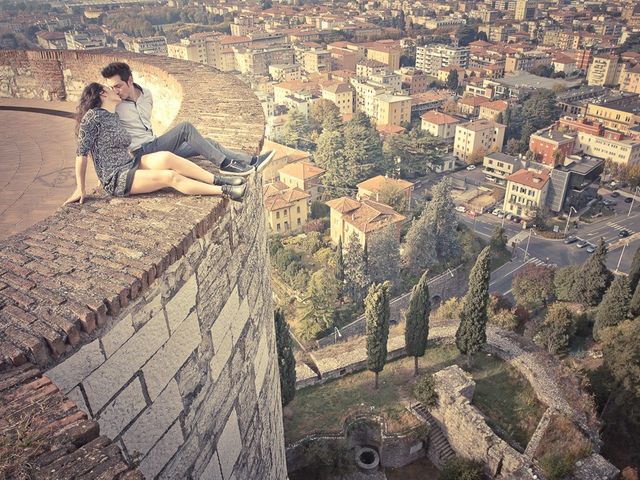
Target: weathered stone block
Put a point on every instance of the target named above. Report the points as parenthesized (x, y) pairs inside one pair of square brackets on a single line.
[(261, 363), (229, 445), (160, 455), (164, 365), (122, 410), (182, 302), (151, 306), (105, 382), (212, 471), (78, 398), (121, 331), (77, 367), (152, 424), (221, 354)]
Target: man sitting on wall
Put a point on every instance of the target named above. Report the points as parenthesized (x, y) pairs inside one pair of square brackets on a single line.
[(183, 140)]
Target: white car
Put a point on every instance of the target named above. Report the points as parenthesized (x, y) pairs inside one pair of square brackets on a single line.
[(471, 167), (461, 209)]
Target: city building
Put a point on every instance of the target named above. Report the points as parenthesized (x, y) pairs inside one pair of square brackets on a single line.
[(526, 61), (550, 146), (51, 40), (283, 156), (377, 188), (620, 113), (305, 176), (432, 58), (392, 109), (526, 191), (525, 10), (340, 93), (493, 110), (413, 81), (385, 52), (150, 45), (317, 61), (574, 183), (364, 217), (440, 124), (470, 106), (630, 80), (473, 140), (286, 208), (498, 166), (85, 40), (604, 70)]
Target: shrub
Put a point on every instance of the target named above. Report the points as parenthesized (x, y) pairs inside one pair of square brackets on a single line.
[(557, 330), (504, 319), (312, 243), (319, 225), (449, 310), (461, 469), (325, 257), (425, 391), (319, 210), (556, 466)]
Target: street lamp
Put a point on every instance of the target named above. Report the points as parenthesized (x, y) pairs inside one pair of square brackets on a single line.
[(566, 227), (526, 250), (633, 198), (620, 259)]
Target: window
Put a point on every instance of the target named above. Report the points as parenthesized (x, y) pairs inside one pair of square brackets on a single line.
[(298, 208), (278, 227), (277, 214), (299, 222)]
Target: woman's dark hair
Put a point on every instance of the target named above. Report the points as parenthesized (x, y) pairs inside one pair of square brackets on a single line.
[(117, 68), (89, 99)]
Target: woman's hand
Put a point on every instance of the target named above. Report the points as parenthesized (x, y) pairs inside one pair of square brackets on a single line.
[(77, 196)]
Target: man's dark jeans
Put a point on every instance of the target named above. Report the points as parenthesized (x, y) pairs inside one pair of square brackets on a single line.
[(184, 140)]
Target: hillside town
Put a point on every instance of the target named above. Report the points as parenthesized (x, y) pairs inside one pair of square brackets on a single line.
[(471, 164)]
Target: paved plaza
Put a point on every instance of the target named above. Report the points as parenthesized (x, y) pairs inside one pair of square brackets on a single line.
[(37, 157)]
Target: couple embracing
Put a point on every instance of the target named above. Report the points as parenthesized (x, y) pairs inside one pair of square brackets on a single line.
[(114, 126)]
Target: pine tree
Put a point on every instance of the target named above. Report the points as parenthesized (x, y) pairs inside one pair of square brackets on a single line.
[(594, 278), (340, 263), (286, 360), (472, 331), (614, 307), (383, 255), (355, 269), (340, 175), (419, 246), (417, 320), (452, 80), (441, 215), (377, 315), (363, 148), (634, 272), (634, 304)]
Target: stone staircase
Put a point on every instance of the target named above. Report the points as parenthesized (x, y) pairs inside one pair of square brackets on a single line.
[(439, 451)]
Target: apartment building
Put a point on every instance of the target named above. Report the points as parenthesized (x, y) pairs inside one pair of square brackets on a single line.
[(380, 185), (392, 109), (256, 60), (620, 150), (526, 61), (413, 80), (493, 110), (51, 40), (525, 10), (432, 58), (499, 166), (620, 114), (388, 53), (630, 80), (304, 176), (286, 208), (150, 45), (85, 40), (341, 94), (470, 106), (365, 218), (475, 139), (285, 73), (604, 70), (317, 61), (526, 191), (440, 124), (551, 146)]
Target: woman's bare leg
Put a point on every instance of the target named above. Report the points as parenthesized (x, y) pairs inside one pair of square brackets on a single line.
[(145, 181), (171, 161)]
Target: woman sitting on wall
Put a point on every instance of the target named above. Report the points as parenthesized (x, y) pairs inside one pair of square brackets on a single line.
[(100, 133)]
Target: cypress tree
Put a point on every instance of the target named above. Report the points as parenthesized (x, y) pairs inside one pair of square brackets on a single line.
[(614, 307), (377, 314), (417, 320), (472, 331), (286, 361), (634, 304), (594, 278), (340, 266), (634, 272), (355, 269)]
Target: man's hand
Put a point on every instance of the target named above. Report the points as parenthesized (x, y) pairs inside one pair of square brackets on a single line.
[(77, 196)]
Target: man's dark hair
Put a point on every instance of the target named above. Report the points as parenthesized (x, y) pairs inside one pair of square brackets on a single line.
[(117, 68)]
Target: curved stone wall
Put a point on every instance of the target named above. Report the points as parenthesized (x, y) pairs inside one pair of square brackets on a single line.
[(153, 313)]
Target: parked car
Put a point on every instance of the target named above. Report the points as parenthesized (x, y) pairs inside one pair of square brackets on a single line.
[(471, 167), (615, 194), (490, 209), (609, 203), (570, 239), (623, 233), (461, 209), (628, 200), (501, 214), (496, 211), (591, 248), (473, 213), (582, 244), (516, 219), (509, 215)]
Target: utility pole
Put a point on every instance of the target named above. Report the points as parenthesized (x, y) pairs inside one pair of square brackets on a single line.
[(633, 199), (566, 227), (620, 259)]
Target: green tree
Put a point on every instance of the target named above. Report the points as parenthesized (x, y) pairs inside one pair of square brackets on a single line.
[(383, 259), (425, 391), (498, 240), (622, 355), (339, 263), (363, 148), (533, 285), (394, 197), (325, 115), (565, 281), (472, 330), (634, 303), (466, 34), (297, 131), (417, 320), (459, 468), (419, 247), (417, 151), (442, 217), (557, 329), (614, 307), (634, 271), (286, 360), (355, 269), (376, 311), (538, 111), (452, 80), (594, 278), (321, 298), (341, 174)]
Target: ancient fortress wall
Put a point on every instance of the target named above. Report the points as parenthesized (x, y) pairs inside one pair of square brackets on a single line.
[(153, 313)]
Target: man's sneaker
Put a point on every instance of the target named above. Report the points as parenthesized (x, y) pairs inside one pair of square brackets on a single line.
[(259, 162), (220, 180), (234, 192), (235, 168)]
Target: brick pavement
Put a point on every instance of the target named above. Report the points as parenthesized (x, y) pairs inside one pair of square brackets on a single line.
[(36, 165)]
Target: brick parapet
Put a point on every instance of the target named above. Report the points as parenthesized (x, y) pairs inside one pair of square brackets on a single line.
[(153, 313)]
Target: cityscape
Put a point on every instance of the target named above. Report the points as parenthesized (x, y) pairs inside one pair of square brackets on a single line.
[(363, 239)]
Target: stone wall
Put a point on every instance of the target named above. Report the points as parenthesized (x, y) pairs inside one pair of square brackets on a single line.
[(153, 313)]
